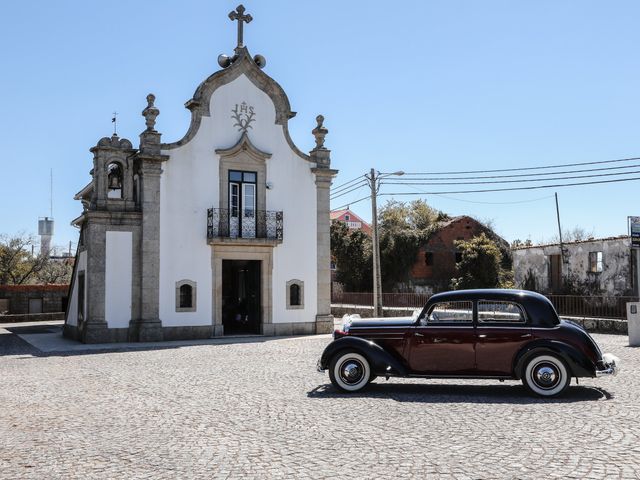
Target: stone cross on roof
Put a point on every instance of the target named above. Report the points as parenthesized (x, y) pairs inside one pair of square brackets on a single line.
[(238, 14)]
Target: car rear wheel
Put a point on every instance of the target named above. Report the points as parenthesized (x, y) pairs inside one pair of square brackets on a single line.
[(546, 375), (349, 371)]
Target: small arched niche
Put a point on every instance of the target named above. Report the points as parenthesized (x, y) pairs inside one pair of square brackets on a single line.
[(295, 294), (115, 178), (186, 296)]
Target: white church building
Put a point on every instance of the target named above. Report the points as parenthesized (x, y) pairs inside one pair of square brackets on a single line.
[(223, 232)]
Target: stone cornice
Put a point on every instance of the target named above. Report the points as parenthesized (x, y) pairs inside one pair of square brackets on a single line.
[(111, 218), (247, 242), (152, 158), (324, 172)]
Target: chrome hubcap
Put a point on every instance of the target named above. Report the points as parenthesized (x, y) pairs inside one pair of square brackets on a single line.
[(546, 375), (351, 371)]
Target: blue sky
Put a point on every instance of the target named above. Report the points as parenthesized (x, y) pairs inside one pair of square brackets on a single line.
[(418, 86)]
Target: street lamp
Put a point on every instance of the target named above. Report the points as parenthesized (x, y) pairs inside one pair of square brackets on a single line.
[(373, 179)]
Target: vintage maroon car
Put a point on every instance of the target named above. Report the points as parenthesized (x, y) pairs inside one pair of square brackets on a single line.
[(494, 334)]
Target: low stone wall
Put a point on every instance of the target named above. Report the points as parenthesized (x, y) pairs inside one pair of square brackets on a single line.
[(600, 325), (14, 299), (594, 325), (31, 317)]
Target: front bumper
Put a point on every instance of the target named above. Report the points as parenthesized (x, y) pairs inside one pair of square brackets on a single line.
[(610, 365), (319, 366)]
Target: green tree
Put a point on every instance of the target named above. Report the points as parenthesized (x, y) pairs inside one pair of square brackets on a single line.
[(403, 227), (480, 264), (17, 265), (351, 251)]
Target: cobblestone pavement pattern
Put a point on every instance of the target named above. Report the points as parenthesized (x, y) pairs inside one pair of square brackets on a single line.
[(260, 410)]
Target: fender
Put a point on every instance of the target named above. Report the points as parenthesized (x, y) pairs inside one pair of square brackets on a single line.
[(382, 362), (578, 362)]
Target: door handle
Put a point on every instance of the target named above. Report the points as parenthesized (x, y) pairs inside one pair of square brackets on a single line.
[(482, 336), (417, 334), (525, 335)]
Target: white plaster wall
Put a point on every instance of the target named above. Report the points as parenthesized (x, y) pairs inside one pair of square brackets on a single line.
[(615, 279), (118, 278), (190, 185), (72, 312)]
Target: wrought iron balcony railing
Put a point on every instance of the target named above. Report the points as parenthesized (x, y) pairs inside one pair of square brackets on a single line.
[(245, 224)]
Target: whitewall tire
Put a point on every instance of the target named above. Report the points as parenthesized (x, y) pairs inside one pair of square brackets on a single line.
[(546, 375), (349, 371)]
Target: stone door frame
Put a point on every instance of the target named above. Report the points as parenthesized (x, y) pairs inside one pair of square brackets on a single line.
[(264, 254)]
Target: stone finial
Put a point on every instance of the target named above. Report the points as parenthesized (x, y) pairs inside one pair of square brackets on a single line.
[(320, 132), (150, 113)]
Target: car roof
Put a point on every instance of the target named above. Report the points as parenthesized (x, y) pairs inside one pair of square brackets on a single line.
[(539, 308)]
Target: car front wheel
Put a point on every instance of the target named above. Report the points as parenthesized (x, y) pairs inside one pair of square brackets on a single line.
[(546, 375), (349, 371)]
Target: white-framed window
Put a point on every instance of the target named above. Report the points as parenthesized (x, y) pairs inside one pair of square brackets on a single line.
[(186, 296), (295, 294)]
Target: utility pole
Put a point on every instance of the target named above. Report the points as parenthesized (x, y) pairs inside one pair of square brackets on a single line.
[(374, 183), (377, 278), (559, 232)]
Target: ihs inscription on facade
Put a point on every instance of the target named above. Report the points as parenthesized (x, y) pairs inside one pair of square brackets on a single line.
[(243, 114)]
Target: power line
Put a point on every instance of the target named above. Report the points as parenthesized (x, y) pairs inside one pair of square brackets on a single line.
[(343, 189), (527, 168), (351, 203), (565, 172), (333, 197), (513, 181), (485, 203), (531, 187), (337, 187)]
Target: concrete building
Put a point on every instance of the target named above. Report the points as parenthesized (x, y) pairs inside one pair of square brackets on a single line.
[(602, 266), (225, 231)]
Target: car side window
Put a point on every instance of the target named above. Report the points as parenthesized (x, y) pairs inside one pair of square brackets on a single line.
[(451, 312), (497, 311)]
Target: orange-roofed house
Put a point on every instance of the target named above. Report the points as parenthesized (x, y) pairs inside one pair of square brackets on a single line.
[(353, 221)]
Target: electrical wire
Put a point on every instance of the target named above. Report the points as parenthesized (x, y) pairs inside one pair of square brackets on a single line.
[(337, 187), (333, 197), (351, 203), (484, 203), (493, 203), (527, 168), (565, 172), (342, 190), (513, 181), (510, 189)]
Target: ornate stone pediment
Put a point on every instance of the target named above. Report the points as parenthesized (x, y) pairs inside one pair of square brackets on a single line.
[(244, 144), (243, 64)]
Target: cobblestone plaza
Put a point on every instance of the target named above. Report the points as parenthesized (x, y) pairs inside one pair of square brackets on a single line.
[(256, 408)]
